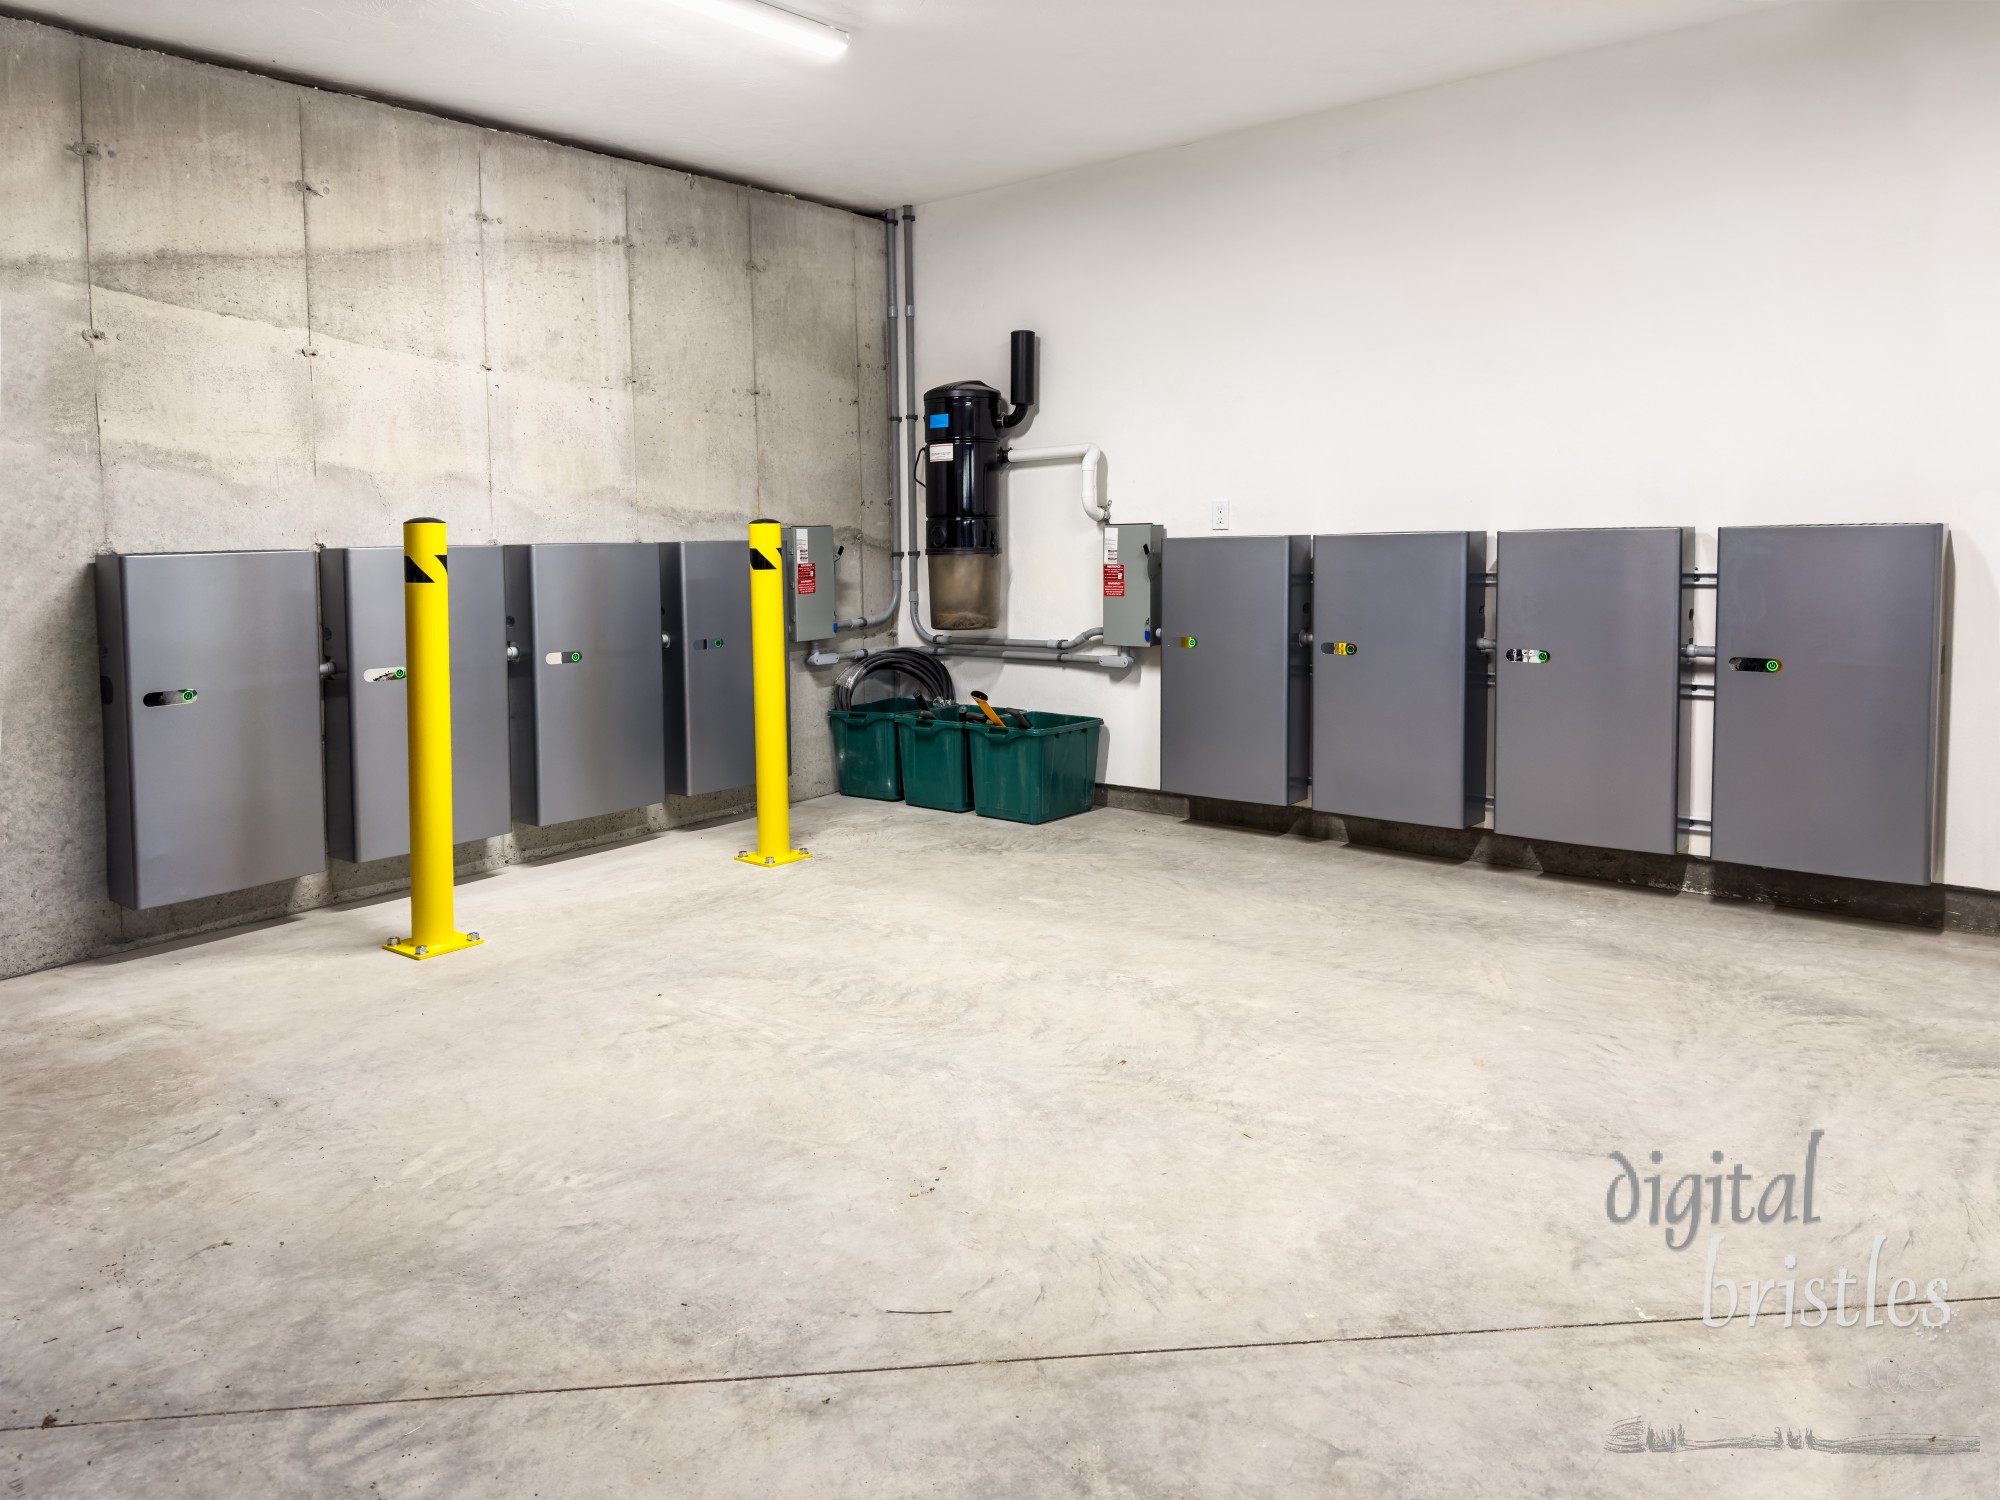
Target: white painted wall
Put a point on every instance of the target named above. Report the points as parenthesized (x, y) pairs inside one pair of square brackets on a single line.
[(1746, 273)]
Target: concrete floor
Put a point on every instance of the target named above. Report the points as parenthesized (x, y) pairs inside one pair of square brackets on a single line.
[(1122, 1156)]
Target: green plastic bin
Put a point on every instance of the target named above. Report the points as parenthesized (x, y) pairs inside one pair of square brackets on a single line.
[(937, 768), (864, 748), (1034, 775)]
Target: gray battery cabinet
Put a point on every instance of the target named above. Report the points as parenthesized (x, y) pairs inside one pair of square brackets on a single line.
[(1399, 685), (367, 700), (1235, 706), (584, 689), (1828, 658), (210, 685), (1587, 700), (711, 719)]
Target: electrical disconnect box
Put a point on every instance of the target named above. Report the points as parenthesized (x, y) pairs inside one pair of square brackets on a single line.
[(584, 689), (1587, 707), (711, 723), (1234, 684), (1132, 552), (1399, 685), (210, 685), (812, 576), (1828, 653), (367, 698)]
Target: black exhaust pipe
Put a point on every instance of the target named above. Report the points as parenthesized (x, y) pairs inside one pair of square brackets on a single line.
[(1022, 381)]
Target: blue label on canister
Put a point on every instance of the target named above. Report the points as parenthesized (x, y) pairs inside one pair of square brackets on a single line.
[(940, 419)]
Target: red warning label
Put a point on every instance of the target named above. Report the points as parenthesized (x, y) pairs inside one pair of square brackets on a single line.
[(1114, 580), (808, 578)]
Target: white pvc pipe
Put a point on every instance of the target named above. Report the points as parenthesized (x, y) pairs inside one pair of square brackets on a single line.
[(1090, 456)]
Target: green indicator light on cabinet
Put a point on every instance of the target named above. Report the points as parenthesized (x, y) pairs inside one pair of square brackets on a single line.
[(576, 656), (1188, 643), (1774, 666), (187, 695)]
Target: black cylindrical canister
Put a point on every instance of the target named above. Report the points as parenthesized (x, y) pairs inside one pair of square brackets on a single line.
[(962, 463)]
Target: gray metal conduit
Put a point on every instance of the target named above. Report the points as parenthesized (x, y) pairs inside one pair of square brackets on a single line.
[(888, 612), (1015, 648), (944, 643), (1112, 661), (1683, 825), (1689, 652), (819, 658), (885, 614), (1690, 579), (1018, 648), (1108, 661), (907, 477), (949, 638)]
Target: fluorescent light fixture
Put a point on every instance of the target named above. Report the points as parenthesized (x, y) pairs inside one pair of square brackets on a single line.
[(771, 21)]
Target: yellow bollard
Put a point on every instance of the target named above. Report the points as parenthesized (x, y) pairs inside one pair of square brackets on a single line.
[(427, 644), (767, 670)]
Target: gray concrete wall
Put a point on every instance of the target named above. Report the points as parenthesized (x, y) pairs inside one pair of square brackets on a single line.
[(238, 313)]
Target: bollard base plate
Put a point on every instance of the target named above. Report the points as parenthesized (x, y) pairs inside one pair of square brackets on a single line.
[(789, 857), (410, 948)]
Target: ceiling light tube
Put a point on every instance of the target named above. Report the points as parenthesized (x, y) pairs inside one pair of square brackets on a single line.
[(771, 21)]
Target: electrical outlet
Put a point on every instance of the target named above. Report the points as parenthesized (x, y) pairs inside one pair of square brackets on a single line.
[(1219, 521)]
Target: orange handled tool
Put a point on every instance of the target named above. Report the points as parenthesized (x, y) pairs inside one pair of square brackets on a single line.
[(986, 708)]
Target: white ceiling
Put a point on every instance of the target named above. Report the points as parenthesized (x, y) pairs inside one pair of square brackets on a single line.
[(934, 98)]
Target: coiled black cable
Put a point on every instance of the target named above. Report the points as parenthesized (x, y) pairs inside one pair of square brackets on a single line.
[(929, 673)]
